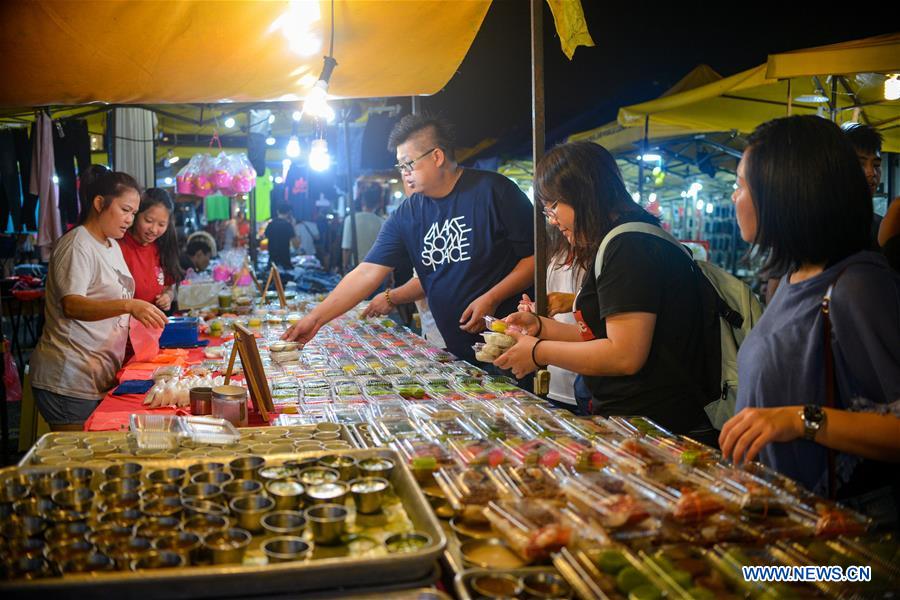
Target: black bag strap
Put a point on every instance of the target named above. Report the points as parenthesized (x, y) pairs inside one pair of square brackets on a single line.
[(830, 378)]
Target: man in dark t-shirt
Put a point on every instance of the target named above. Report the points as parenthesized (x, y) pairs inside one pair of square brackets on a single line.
[(281, 236), (467, 233)]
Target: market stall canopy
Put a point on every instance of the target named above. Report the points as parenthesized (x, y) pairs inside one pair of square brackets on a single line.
[(153, 52), (879, 54), (743, 101)]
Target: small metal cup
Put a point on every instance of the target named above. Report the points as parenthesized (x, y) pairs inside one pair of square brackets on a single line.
[(399, 542), (333, 492), (25, 567), (285, 549), (154, 527), (327, 522), (13, 491), (125, 500), (44, 484), (328, 427), (194, 507), (161, 490), (89, 563), (201, 491), (485, 585), (314, 475), (131, 549), (250, 510), (185, 543), (128, 517), (242, 487), (173, 475), (203, 525), (375, 466), (215, 477), (78, 499), (158, 560), (324, 436), (62, 532), (227, 546), (284, 522), (205, 467), (127, 470), (288, 495), (120, 486), (29, 547), (368, 494), (267, 474), (545, 585), (33, 507), (76, 476), (246, 467), (109, 536), (342, 463), (70, 549), (301, 463), (163, 507)]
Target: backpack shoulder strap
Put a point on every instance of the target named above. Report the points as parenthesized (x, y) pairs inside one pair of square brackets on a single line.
[(634, 227)]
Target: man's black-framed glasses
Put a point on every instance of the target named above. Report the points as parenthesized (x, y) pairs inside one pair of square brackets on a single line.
[(408, 165)]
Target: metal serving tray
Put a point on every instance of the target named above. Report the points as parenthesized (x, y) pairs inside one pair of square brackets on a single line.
[(464, 591), (246, 580)]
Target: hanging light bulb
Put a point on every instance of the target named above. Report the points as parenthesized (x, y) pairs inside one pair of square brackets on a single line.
[(316, 103), (270, 141), (319, 159), (710, 208), (297, 115), (229, 122), (892, 87), (271, 119), (293, 147), (700, 204), (171, 158)]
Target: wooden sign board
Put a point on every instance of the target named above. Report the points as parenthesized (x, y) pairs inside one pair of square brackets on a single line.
[(276, 276), (254, 374)]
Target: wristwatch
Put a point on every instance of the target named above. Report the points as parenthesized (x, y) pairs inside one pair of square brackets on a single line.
[(813, 418)]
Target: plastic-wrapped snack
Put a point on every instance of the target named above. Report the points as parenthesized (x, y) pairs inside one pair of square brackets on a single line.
[(834, 520), (474, 452), (424, 458), (533, 528), (691, 573), (468, 491), (501, 340), (486, 352), (612, 509), (530, 482)]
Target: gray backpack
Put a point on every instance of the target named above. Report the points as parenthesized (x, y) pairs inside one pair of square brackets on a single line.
[(736, 310)]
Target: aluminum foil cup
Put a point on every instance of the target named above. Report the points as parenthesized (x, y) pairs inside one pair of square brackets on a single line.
[(228, 546), (203, 525), (205, 467), (342, 463), (186, 543), (112, 487), (375, 466), (287, 495), (242, 487), (250, 510), (285, 549), (171, 475), (219, 478), (246, 467), (158, 560), (327, 523), (126, 470), (284, 522), (89, 563), (368, 494), (201, 491), (77, 499)]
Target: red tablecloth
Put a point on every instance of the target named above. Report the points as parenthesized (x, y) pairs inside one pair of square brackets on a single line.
[(114, 412)]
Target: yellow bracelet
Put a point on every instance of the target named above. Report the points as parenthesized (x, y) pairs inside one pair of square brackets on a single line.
[(387, 295)]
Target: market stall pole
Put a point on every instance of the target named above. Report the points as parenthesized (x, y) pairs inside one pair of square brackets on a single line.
[(354, 246), (538, 142)]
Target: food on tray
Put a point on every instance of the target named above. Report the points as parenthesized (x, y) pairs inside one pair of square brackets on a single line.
[(533, 528), (688, 567), (834, 521), (696, 505)]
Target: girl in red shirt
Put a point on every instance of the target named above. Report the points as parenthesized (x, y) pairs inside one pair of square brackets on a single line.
[(151, 250)]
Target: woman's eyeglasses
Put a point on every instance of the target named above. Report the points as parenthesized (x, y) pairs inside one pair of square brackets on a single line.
[(550, 211)]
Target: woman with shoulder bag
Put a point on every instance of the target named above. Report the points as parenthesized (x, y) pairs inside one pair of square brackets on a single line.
[(829, 341)]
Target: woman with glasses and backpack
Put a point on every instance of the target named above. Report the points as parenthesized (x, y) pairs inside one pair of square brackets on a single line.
[(829, 342), (639, 337)]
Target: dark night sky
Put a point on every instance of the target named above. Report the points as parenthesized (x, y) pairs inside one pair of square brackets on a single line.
[(640, 52)]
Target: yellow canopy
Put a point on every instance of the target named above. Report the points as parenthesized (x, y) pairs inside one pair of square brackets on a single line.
[(879, 54), (743, 101), (153, 52)]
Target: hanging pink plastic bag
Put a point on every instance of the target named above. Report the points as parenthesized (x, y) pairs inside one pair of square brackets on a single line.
[(243, 174), (221, 172), (187, 176), (11, 379), (144, 341)]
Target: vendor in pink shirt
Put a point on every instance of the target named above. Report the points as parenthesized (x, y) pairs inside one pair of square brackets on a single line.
[(151, 250)]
